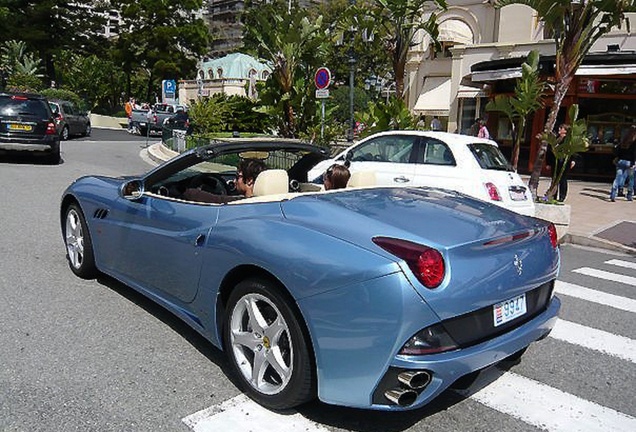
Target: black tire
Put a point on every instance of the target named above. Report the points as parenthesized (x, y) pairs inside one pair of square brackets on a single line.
[(65, 133), (289, 351), (53, 158), (79, 247)]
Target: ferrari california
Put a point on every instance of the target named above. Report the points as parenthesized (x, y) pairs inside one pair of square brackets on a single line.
[(370, 297)]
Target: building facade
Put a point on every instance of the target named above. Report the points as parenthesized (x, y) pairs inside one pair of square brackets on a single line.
[(482, 50)]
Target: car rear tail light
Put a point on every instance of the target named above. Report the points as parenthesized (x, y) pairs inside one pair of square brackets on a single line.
[(50, 128), (19, 98), (155, 119), (431, 340), (426, 263), (554, 238), (493, 192)]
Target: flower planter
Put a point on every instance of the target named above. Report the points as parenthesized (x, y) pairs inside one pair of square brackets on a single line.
[(559, 215)]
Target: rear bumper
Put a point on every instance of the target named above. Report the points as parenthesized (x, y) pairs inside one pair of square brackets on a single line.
[(47, 145), (447, 368)]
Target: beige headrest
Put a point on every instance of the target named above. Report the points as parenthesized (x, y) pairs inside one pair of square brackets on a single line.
[(273, 181), (362, 179)]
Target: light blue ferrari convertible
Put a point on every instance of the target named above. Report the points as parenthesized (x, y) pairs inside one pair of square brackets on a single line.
[(365, 296)]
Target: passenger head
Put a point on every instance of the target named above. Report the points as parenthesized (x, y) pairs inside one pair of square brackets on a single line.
[(336, 177), (248, 170)]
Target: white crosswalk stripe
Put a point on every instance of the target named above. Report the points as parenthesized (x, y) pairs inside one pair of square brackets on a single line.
[(523, 398), (621, 263), (602, 274), (548, 408), (578, 291), (598, 340)]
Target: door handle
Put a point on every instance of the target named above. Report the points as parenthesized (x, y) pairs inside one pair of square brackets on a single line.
[(401, 179), (199, 240)]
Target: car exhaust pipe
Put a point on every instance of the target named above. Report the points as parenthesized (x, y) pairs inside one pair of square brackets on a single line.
[(401, 397), (415, 379)]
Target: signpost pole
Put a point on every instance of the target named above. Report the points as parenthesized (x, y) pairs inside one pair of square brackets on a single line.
[(322, 80), (322, 122)]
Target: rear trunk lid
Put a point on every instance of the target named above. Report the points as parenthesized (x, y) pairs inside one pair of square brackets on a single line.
[(491, 254)]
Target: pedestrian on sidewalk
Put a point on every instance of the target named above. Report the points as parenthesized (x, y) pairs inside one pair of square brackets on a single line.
[(483, 130), (625, 161), (128, 107)]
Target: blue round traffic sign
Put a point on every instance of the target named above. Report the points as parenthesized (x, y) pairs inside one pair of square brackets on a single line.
[(322, 78)]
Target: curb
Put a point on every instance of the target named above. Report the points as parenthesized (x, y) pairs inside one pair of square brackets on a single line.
[(160, 153), (596, 242)]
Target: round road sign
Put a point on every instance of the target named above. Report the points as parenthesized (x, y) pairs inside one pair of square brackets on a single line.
[(322, 78)]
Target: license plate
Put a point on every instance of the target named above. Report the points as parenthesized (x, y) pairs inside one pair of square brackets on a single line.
[(19, 127), (509, 310), (142, 123), (517, 194)]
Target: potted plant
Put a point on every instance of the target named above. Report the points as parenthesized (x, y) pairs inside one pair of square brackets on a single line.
[(575, 141)]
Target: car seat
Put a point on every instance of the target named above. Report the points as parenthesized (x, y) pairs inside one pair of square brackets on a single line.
[(362, 179), (271, 181)]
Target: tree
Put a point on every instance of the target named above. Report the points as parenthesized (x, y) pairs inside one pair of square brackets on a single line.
[(162, 38), (575, 141), (22, 68), (393, 24), (576, 25), (53, 26), (294, 53), (527, 98)]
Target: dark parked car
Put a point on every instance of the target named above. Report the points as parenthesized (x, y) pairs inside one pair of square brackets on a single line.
[(27, 124), (69, 119)]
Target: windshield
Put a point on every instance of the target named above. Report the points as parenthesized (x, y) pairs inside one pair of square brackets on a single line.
[(489, 157)]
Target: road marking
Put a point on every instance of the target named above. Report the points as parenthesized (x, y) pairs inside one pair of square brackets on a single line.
[(629, 280), (545, 407), (241, 414), (598, 340), (599, 297), (621, 263)]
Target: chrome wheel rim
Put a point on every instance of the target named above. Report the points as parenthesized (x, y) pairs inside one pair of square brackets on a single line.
[(74, 239), (261, 344)]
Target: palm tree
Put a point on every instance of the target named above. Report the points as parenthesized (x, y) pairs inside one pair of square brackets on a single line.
[(577, 25), (396, 23), (527, 98), (293, 53)]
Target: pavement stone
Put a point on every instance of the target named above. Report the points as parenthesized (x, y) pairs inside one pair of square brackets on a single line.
[(595, 221)]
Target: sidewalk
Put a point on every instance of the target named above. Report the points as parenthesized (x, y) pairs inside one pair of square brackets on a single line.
[(594, 221)]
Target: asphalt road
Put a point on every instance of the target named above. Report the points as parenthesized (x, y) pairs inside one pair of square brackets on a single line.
[(80, 355)]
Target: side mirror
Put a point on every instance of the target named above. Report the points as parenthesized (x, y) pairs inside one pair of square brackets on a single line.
[(132, 190)]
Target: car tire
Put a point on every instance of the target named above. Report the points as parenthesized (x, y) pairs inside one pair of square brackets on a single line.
[(65, 133), (142, 131), (53, 158), (261, 324), (79, 247)]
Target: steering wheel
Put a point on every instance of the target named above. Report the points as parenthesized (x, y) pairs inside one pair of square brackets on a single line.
[(209, 182)]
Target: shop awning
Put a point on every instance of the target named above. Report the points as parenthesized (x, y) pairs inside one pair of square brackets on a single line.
[(590, 70), (470, 92), (496, 74), (457, 31), (434, 100)]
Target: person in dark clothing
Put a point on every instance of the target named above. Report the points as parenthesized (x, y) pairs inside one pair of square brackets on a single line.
[(556, 165), (625, 161)]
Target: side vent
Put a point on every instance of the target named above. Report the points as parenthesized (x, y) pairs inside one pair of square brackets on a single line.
[(100, 213)]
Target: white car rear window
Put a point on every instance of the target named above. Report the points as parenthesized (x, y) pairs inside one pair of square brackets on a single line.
[(490, 157)]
